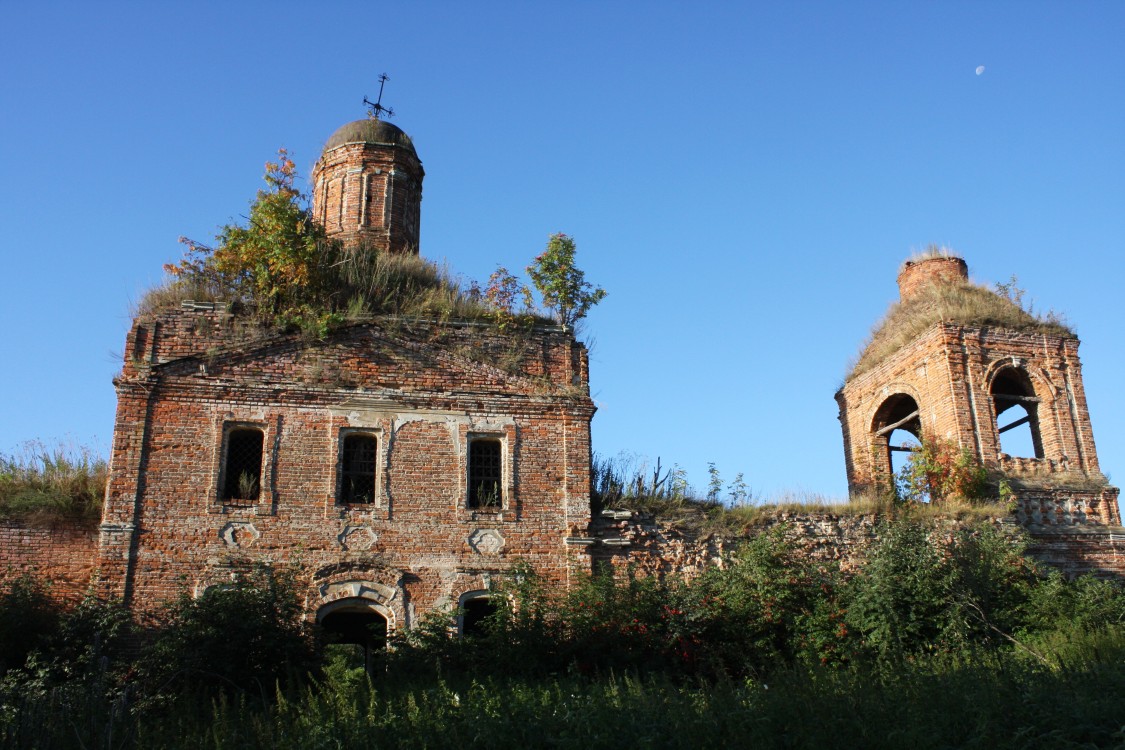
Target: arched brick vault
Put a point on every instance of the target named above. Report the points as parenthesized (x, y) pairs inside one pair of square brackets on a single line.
[(359, 594), (1013, 387)]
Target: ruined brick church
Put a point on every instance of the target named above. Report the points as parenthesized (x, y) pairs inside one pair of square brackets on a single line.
[(400, 469), (393, 461)]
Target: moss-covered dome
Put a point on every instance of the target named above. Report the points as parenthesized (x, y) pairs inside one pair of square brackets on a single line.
[(375, 132)]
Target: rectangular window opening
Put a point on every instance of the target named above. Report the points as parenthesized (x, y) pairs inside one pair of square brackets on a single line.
[(357, 469), (485, 474), (242, 465)]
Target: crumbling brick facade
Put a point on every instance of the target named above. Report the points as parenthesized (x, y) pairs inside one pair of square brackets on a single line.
[(398, 465), (421, 392), (954, 381)]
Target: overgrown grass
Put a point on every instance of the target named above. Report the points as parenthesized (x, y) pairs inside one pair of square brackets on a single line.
[(991, 703), (360, 282), (994, 702), (940, 640), (965, 303), (44, 485)]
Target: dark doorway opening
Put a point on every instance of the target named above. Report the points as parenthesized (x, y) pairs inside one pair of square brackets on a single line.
[(474, 613), (359, 631)]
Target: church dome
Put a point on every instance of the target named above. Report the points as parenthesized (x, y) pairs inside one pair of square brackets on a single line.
[(375, 132)]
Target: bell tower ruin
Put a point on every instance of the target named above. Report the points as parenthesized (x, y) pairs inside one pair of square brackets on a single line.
[(957, 362), (367, 187)]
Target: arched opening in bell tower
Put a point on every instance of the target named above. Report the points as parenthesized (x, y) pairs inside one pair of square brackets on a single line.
[(896, 432), (1017, 414)]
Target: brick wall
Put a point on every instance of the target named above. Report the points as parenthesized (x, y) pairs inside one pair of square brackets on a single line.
[(63, 554), (948, 372)]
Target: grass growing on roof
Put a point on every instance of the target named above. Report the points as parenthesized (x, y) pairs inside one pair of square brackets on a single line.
[(964, 303)]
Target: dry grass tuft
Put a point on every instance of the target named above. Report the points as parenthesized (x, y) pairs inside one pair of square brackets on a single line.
[(359, 283), (172, 292), (967, 304)]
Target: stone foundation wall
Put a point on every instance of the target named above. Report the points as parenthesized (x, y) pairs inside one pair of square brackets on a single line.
[(643, 544)]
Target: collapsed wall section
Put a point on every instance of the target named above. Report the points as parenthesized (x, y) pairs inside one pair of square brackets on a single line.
[(629, 543)]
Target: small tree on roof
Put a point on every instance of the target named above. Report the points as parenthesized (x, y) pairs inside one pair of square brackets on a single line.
[(274, 261), (561, 284)]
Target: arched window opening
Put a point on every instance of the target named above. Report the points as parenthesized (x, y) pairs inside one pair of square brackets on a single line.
[(242, 465), (896, 432), (355, 634), (1017, 414), (475, 610)]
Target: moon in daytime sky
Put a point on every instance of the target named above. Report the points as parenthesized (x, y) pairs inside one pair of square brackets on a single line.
[(980, 69)]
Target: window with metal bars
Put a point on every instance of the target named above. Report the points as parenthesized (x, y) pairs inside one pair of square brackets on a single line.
[(357, 468), (485, 473), (242, 465)]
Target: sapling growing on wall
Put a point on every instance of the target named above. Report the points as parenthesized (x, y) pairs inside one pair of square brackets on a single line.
[(561, 284), (714, 483)]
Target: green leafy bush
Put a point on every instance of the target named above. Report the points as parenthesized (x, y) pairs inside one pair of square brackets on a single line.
[(245, 636), (938, 470), (920, 594), (28, 619)]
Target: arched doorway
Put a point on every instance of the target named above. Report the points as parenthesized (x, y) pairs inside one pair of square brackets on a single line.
[(355, 628)]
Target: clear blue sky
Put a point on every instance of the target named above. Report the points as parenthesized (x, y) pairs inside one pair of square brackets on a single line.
[(744, 179)]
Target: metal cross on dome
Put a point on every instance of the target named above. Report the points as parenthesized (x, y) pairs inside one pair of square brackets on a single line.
[(377, 107)]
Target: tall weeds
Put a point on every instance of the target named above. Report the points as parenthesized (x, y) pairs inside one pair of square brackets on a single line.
[(45, 484)]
